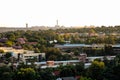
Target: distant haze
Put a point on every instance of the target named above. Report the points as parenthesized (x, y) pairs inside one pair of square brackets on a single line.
[(16, 13)]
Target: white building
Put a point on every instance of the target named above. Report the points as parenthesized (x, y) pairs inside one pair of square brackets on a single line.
[(22, 54), (27, 56)]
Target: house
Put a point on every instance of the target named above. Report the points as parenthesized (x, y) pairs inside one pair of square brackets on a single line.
[(50, 63), (27, 56), (11, 49), (3, 40), (23, 54), (83, 57)]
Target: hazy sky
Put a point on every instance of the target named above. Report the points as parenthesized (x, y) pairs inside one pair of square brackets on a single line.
[(16, 13)]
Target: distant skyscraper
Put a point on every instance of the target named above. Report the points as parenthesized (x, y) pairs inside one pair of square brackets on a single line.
[(26, 25), (57, 25), (56, 22)]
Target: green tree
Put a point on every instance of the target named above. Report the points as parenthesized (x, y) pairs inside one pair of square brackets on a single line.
[(76, 53), (52, 57), (108, 50), (85, 78), (8, 55), (66, 57), (46, 74), (9, 43), (36, 50), (95, 71), (26, 74), (68, 70), (52, 51), (112, 69), (11, 36), (80, 69), (5, 73)]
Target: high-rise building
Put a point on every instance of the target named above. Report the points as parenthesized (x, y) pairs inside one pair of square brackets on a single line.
[(56, 22), (57, 25), (26, 25)]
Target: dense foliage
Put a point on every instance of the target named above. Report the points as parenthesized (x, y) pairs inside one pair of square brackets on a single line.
[(110, 35), (44, 40), (98, 70)]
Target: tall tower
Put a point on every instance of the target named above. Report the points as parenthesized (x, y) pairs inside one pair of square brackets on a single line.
[(57, 22), (57, 25), (26, 25)]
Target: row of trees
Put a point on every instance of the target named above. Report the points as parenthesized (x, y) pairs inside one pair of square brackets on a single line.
[(104, 29), (98, 70), (43, 37)]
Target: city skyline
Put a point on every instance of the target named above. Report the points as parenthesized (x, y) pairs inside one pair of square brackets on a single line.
[(16, 13)]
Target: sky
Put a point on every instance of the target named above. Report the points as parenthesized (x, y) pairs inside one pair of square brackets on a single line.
[(16, 13)]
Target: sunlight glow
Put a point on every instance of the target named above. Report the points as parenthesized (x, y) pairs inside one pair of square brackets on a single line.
[(69, 12)]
